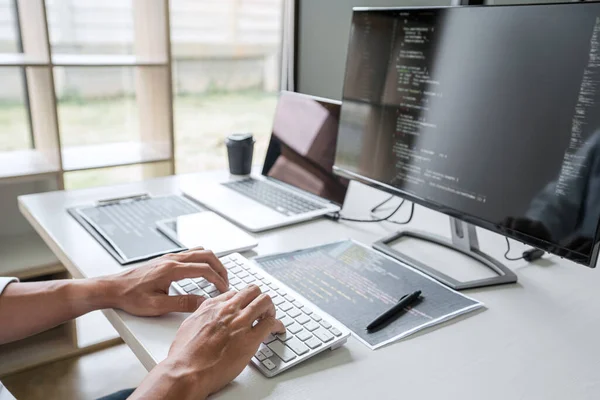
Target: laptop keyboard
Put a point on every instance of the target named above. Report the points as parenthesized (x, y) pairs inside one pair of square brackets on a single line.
[(307, 333), (280, 200)]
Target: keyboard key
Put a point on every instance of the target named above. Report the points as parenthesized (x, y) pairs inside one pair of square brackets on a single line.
[(278, 300), (323, 335), (242, 275), (297, 304), (285, 306), (325, 324), (294, 312), (268, 364), (279, 314), (268, 339), (316, 317), (284, 352), (267, 352), (297, 346), (313, 342), (260, 356), (185, 282), (249, 279), (210, 288), (281, 292), (190, 288), (286, 321), (273, 286), (307, 311), (294, 328), (335, 331), (236, 270), (288, 298), (234, 281), (303, 335), (284, 336), (302, 319), (197, 292), (311, 325)]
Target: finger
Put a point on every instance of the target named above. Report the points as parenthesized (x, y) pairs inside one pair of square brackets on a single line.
[(261, 307), (186, 303), (225, 296), (205, 257), (188, 270), (267, 326), (246, 295)]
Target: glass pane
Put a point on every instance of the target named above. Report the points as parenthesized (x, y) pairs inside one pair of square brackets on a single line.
[(14, 121), (90, 26), (226, 57), (115, 175), (8, 27), (96, 105)]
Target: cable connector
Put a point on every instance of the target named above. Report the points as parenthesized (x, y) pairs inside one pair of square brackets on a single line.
[(333, 216), (533, 254)]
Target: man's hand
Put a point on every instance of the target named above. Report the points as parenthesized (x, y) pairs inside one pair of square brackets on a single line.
[(213, 346), (144, 291)]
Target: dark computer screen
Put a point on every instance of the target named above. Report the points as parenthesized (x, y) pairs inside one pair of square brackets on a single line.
[(488, 114), (302, 148)]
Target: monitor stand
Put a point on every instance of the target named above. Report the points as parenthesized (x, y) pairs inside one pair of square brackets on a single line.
[(464, 240)]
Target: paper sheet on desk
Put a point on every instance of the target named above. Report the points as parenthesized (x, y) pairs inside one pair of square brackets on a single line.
[(355, 284)]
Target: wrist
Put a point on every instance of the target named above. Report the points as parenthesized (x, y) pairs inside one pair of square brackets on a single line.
[(92, 294), (174, 379)]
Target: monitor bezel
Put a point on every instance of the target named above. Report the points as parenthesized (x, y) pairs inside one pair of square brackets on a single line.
[(549, 247)]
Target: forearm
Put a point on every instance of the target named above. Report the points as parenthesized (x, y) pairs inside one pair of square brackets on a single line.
[(171, 380), (30, 308)]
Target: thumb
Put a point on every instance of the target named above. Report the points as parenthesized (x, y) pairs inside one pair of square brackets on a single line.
[(186, 303)]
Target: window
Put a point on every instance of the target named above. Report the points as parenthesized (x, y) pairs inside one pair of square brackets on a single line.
[(226, 60), (15, 133)]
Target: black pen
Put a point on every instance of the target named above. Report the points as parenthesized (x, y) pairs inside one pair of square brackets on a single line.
[(404, 301)]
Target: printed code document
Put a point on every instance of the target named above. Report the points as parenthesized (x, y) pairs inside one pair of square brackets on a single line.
[(355, 284)]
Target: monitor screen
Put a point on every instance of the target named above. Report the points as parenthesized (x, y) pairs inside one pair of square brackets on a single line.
[(302, 147), (488, 114)]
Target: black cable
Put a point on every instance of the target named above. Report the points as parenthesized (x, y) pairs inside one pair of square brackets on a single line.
[(508, 251), (383, 202), (337, 216), (410, 217)]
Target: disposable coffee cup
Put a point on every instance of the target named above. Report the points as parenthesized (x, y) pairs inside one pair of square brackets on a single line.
[(240, 147)]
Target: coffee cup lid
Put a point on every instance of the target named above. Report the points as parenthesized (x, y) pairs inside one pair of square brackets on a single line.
[(240, 138)]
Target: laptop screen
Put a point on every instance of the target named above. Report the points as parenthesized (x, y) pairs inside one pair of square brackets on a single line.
[(302, 148)]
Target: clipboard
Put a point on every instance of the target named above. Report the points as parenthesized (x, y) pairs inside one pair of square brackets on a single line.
[(126, 226)]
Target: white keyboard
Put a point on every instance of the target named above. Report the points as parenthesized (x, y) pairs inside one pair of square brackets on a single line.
[(308, 332)]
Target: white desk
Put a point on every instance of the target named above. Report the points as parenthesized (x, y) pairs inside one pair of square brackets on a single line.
[(538, 339)]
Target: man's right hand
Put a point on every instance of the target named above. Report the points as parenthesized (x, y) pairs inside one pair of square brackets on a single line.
[(213, 345)]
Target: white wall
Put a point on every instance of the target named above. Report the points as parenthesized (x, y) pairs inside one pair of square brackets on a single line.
[(323, 41)]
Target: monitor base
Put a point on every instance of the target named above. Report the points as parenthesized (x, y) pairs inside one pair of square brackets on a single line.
[(464, 240)]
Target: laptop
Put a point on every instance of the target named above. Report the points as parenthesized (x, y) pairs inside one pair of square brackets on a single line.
[(297, 181)]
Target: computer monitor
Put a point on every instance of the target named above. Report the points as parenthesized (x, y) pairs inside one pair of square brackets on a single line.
[(488, 114)]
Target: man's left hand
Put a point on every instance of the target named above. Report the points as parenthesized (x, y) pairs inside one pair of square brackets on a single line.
[(144, 291)]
